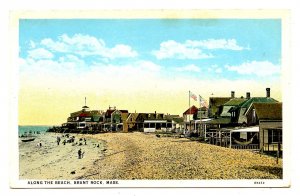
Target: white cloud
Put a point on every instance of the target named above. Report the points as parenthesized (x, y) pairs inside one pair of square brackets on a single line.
[(192, 68), (214, 69), (173, 49), (68, 64), (149, 66), (259, 68), (32, 44), (193, 49), (54, 46), (226, 44), (40, 53), (86, 45), (119, 51)]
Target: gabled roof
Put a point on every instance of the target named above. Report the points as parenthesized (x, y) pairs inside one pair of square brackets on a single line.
[(235, 102), (258, 100), (218, 101), (191, 110), (267, 111), (124, 116), (121, 111), (132, 116), (109, 112)]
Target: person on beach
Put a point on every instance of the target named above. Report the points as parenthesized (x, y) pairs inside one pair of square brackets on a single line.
[(79, 153), (64, 142), (39, 144), (84, 141), (58, 140)]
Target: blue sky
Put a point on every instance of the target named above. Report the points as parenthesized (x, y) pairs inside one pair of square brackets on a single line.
[(206, 48), (142, 65)]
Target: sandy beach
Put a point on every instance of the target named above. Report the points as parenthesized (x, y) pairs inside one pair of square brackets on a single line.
[(140, 156)]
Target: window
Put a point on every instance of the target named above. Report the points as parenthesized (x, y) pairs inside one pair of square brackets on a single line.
[(274, 135), (169, 125), (81, 124)]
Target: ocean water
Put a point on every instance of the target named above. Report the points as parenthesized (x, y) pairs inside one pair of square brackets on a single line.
[(41, 129)]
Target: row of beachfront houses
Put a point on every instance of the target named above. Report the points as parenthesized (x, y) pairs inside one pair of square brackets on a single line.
[(235, 122), (121, 120)]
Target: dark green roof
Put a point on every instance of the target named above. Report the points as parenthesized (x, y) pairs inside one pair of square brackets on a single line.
[(170, 117), (218, 101), (235, 102), (258, 100), (178, 120), (218, 121), (215, 103)]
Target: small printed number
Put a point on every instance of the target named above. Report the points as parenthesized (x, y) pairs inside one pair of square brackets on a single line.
[(259, 182)]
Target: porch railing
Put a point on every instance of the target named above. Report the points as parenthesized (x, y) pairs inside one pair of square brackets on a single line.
[(246, 147)]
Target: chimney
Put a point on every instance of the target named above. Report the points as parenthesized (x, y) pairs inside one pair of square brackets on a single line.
[(248, 95), (268, 92), (232, 94)]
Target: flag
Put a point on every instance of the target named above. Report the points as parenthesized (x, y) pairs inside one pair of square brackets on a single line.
[(193, 96), (203, 102)]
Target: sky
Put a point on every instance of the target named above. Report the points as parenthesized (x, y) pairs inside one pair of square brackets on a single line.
[(142, 65)]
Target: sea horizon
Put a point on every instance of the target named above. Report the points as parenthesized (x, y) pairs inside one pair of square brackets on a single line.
[(26, 128)]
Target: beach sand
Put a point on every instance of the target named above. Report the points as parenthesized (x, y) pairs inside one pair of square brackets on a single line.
[(141, 156)]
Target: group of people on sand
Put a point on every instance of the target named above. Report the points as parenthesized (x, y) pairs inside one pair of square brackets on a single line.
[(71, 139)]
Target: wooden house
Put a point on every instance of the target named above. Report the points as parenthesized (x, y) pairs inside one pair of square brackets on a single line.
[(242, 118), (189, 115), (84, 119), (176, 121), (269, 118), (130, 124), (117, 119), (153, 122)]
